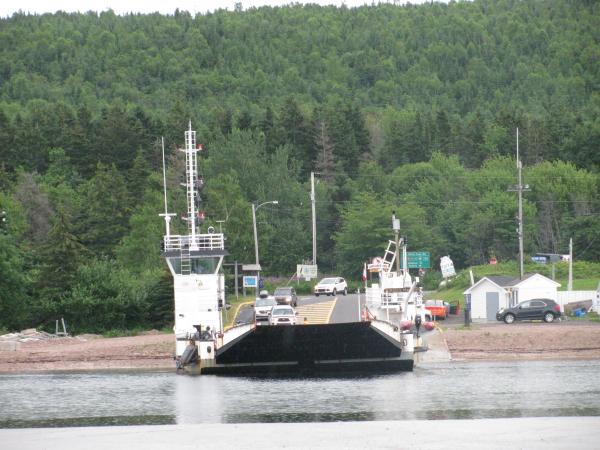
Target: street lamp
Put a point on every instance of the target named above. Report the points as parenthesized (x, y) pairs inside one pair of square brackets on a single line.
[(254, 209)]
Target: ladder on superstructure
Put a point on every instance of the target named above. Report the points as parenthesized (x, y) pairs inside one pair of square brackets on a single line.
[(389, 257), (186, 261)]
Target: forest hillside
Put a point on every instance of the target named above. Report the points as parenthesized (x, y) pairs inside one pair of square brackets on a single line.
[(412, 109)]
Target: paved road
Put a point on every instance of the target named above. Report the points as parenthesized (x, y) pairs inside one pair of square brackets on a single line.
[(322, 309)]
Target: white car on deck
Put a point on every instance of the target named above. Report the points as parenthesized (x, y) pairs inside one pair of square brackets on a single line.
[(331, 286), (263, 305), (283, 315)]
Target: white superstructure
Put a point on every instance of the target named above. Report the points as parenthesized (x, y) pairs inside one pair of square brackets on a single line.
[(395, 296), (195, 261)]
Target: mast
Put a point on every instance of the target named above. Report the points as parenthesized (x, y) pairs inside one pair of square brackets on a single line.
[(166, 214), (191, 174), (396, 228)]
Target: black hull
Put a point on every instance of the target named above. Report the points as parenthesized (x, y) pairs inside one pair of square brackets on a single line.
[(311, 349), (350, 368)]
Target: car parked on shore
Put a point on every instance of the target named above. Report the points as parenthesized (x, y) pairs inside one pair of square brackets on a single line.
[(535, 309), (286, 296), (331, 286), (283, 315), (439, 309)]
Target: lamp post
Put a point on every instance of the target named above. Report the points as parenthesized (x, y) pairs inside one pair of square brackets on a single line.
[(254, 209)]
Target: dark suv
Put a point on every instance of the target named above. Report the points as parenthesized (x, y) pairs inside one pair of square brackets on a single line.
[(536, 309), (286, 296)]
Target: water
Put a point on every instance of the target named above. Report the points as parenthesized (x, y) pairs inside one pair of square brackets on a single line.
[(442, 391)]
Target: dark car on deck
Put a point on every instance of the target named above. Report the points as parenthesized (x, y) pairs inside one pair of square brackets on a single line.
[(535, 309), (286, 296)]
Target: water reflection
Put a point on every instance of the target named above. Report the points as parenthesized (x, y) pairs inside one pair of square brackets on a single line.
[(443, 391)]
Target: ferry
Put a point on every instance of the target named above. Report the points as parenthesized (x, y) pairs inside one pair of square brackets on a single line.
[(203, 346)]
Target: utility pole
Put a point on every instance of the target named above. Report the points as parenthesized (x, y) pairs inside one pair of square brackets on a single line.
[(255, 235), (314, 218), (254, 209), (520, 188), (570, 282)]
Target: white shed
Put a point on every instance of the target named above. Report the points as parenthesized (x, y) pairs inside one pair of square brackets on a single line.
[(494, 292), (537, 286)]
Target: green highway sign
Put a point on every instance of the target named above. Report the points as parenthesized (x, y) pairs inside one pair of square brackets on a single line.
[(417, 260)]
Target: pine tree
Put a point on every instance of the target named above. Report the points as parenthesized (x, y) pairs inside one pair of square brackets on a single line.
[(244, 120), (325, 163), (103, 215), (62, 253), (79, 151), (7, 157), (137, 176), (295, 132), (267, 126)]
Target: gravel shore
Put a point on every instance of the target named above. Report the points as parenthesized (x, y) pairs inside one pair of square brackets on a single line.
[(522, 341)]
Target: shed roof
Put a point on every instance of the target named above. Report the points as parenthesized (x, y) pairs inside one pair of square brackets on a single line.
[(505, 281)]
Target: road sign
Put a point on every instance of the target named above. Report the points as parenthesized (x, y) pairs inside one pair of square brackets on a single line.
[(250, 281), (306, 271), (417, 260), (539, 259), (447, 267)]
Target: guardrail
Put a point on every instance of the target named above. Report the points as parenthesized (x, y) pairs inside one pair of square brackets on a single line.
[(211, 241)]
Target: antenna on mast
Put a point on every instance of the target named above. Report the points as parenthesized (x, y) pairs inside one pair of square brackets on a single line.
[(166, 214)]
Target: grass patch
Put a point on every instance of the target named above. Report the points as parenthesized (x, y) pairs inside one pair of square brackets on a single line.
[(452, 295), (122, 333), (463, 328), (593, 317), (582, 284), (134, 332)]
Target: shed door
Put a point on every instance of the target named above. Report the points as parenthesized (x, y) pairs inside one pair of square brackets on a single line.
[(492, 304)]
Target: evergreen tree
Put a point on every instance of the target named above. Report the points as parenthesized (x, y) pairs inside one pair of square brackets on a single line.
[(61, 253), (267, 125), (14, 280), (7, 156), (325, 163), (104, 212), (244, 120), (296, 133)]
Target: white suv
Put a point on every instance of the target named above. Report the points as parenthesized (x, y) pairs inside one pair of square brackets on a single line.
[(331, 286), (282, 315)]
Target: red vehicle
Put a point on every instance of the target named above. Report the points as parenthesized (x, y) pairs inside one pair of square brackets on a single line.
[(437, 308)]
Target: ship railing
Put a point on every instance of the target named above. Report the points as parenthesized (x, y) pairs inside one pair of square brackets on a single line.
[(392, 330), (235, 332), (210, 241), (386, 327)]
